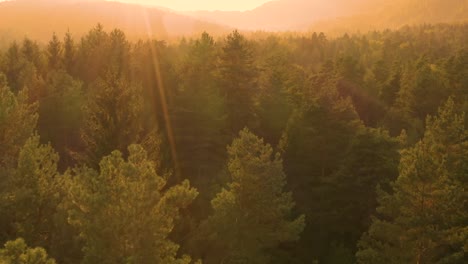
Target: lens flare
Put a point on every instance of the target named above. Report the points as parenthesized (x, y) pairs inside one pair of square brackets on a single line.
[(162, 96)]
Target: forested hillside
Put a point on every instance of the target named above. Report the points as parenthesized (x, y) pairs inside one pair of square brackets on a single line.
[(340, 16), (271, 148), (38, 19), (396, 14), (282, 15)]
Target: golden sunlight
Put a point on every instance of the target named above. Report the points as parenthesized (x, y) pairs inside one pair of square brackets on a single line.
[(233, 131), (190, 5)]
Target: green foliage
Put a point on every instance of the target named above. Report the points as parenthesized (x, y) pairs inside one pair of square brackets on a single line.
[(422, 90), (31, 197), (126, 212), (17, 252), (238, 80), (113, 120), (18, 120), (371, 160), (325, 103), (24, 67), (254, 214), (198, 112), (424, 218), (69, 52), (279, 82), (330, 158), (62, 128), (54, 52)]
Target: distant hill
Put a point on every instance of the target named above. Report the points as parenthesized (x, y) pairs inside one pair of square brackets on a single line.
[(340, 15), (283, 15), (398, 13), (38, 19)]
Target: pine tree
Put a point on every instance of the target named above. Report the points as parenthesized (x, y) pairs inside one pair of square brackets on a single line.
[(12, 64), (238, 80), (62, 128), (21, 66), (17, 252), (391, 86), (424, 219), (126, 212), (199, 114), (344, 213), (331, 158), (18, 120), (93, 55), (119, 57), (276, 103), (32, 53), (33, 192), (253, 215), (113, 120), (69, 53), (54, 52)]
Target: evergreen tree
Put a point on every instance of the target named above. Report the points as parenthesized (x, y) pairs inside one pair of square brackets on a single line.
[(21, 66), (33, 192), (12, 65), (254, 215), (315, 144), (54, 52), (93, 55), (69, 53), (238, 76), (62, 128), (424, 219), (119, 57), (199, 114), (344, 214), (113, 120), (278, 82), (33, 53), (391, 86), (18, 120), (125, 212), (17, 252)]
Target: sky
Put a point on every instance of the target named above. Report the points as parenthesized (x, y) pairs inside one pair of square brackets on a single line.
[(192, 5), (195, 5)]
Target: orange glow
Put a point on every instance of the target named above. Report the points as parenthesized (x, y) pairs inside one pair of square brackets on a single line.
[(190, 5)]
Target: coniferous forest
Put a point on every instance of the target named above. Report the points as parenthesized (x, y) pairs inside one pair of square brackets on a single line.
[(244, 148)]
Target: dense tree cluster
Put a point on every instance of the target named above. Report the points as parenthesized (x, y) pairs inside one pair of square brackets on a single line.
[(266, 148)]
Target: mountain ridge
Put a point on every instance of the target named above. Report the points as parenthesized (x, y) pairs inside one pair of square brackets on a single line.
[(281, 15), (39, 19), (398, 14), (303, 15)]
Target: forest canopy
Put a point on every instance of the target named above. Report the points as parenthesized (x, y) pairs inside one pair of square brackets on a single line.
[(259, 148)]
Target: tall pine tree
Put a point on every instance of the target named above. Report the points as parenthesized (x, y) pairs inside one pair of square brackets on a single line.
[(424, 219), (126, 212), (253, 215), (238, 77)]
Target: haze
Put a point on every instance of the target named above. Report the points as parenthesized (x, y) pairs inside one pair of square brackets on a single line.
[(38, 21), (190, 5)]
